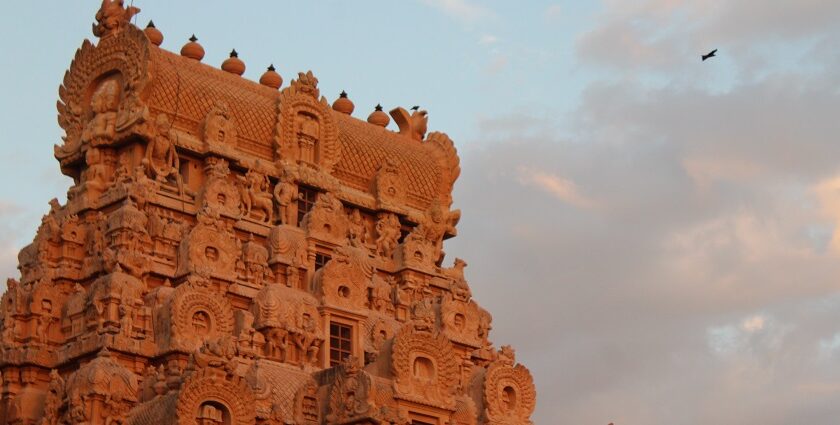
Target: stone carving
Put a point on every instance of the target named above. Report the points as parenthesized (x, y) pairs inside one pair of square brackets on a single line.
[(196, 313), (414, 125), (234, 312), (307, 409), (344, 280), (424, 366), (101, 128), (357, 233), (306, 130), (389, 187), (326, 220), (287, 245), (255, 261), (161, 159), (352, 395), (286, 194), (256, 195), (509, 393), (113, 16), (219, 193), (210, 249), (388, 234), (218, 127)]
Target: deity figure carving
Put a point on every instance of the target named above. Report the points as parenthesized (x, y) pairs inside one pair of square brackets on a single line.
[(256, 195), (112, 17), (388, 234), (307, 334), (161, 158), (255, 260), (54, 400), (101, 128), (286, 194), (381, 294), (352, 395), (357, 230)]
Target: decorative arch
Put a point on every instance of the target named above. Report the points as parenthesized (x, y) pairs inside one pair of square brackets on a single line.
[(509, 394), (206, 390), (425, 367), (306, 129), (124, 57), (197, 314)]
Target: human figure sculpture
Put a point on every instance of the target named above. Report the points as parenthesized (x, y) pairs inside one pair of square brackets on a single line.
[(161, 158), (286, 193), (356, 230), (388, 229), (101, 128), (256, 195)]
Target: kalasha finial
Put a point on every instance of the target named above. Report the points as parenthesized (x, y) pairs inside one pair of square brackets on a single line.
[(192, 49), (233, 64), (343, 104), (153, 34), (377, 117), (112, 17), (271, 78)]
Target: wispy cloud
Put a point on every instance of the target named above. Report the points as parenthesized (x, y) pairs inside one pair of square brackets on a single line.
[(558, 187), (463, 10)]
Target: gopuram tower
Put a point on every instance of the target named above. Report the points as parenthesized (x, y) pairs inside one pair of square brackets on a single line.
[(234, 253)]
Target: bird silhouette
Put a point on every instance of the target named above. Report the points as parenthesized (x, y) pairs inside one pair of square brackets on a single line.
[(709, 55), (415, 107)]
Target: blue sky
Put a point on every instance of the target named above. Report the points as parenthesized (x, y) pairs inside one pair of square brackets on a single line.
[(655, 235)]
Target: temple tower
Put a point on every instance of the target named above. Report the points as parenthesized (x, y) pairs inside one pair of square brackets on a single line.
[(234, 252)]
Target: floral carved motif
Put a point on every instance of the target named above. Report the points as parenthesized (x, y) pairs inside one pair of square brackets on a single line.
[(197, 314)]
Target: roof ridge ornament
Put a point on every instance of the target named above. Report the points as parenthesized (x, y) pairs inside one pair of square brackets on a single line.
[(113, 16)]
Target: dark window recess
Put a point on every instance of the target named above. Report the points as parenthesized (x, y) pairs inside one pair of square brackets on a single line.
[(321, 260), (341, 342), (184, 171), (306, 199)]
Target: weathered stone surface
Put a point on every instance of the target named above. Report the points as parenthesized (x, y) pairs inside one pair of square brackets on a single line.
[(236, 254)]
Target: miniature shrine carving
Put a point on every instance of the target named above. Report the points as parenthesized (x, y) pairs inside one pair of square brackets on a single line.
[(243, 255)]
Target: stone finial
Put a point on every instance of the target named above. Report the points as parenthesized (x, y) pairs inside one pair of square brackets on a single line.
[(271, 78), (377, 117), (153, 34), (193, 50), (233, 64), (343, 104)]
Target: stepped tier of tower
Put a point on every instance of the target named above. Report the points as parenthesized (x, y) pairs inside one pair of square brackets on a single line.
[(236, 253)]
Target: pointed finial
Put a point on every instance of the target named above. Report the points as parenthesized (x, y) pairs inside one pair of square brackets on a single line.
[(271, 78), (377, 117), (153, 34), (233, 64), (192, 49), (343, 104)]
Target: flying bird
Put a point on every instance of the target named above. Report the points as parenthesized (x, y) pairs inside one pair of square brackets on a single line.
[(709, 55), (415, 107)]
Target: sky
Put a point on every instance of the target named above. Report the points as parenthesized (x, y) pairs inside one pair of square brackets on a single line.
[(657, 236)]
